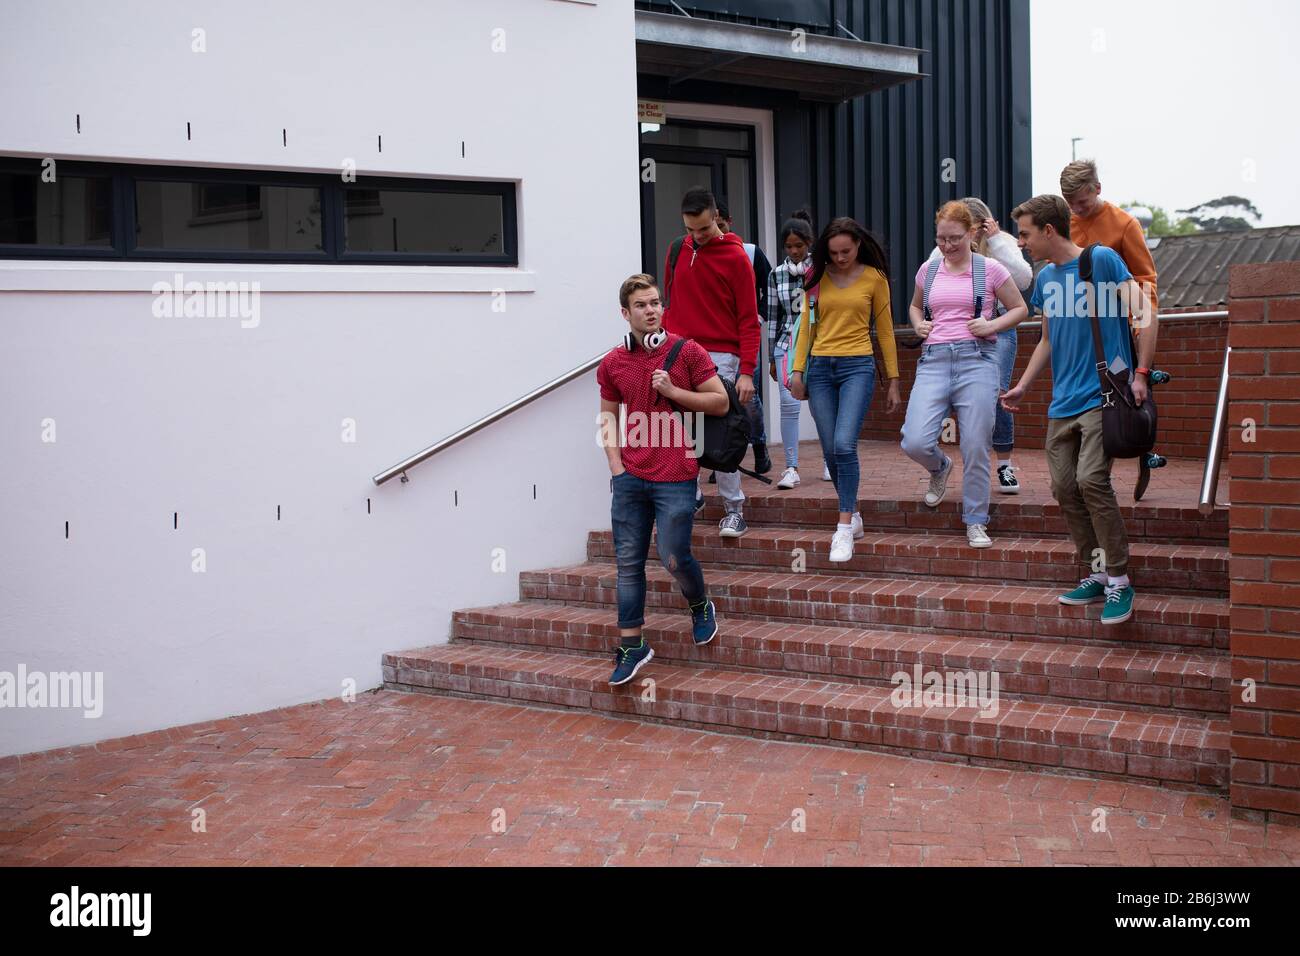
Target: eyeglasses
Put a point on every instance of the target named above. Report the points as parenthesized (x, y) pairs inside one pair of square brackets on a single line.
[(949, 240)]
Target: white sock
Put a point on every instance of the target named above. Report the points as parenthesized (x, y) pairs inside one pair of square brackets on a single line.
[(1099, 577), (844, 527), (1119, 582), (1004, 462)]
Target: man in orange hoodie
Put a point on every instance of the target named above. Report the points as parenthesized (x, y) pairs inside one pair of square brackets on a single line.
[(1093, 219)]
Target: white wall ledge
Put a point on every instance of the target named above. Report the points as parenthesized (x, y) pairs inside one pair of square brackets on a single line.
[(28, 275)]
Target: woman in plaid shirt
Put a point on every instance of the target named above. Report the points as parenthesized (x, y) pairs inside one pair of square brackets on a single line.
[(784, 291)]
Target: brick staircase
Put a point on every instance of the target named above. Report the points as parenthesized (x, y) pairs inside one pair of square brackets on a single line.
[(809, 655)]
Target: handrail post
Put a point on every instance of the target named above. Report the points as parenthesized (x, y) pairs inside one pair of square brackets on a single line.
[(1210, 479)]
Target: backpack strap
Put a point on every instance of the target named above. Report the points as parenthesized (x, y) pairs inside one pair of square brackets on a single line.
[(673, 353), (977, 266), (674, 253), (931, 273)]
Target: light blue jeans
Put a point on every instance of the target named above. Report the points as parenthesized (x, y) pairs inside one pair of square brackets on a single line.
[(789, 414), (963, 376)]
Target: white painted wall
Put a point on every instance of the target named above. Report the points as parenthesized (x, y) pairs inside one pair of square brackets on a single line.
[(223, 424)]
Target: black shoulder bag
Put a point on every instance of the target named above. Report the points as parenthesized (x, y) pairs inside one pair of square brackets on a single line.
[(1128, 430)]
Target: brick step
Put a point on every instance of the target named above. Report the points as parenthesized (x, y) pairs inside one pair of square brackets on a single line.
[(1177, 751), (1116, 677), (1009, 516), (1013, 613), (1184, 569)]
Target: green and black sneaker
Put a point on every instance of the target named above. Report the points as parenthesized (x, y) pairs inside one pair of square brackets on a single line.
[(1119, 605), (1089, 591)]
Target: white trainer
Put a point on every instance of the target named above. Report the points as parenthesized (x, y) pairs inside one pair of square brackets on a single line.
[(826, 472), (938, 486), (842, 546), (977, 536), (857, 527), (789, 478)]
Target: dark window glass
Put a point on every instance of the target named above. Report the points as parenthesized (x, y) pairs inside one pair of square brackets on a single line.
[(227, 217), (73, 211), (401, 220)]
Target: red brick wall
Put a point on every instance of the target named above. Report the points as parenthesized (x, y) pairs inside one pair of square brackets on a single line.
[(1191, 350), (1265, 539)]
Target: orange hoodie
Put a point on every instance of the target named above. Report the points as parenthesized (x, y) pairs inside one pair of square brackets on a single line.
[(1113, 227)]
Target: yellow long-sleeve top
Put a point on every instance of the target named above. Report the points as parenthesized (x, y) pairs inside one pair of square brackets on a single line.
[(844, 318)]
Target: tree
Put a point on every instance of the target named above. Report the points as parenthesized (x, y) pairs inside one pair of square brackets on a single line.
[(1225, 214), (1163, 225)]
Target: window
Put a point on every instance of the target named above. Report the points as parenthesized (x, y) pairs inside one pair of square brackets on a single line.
[(432, 223), (65, 212), (102, 211), (229, 217)]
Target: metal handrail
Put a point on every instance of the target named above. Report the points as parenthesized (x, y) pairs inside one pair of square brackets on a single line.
[(1210, 480), (500, 413), (1164, 317)]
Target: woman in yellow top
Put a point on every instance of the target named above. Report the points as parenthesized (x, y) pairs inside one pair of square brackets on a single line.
[(834, 367)]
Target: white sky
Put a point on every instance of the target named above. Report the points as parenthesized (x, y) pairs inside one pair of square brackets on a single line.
[(1221, 85)]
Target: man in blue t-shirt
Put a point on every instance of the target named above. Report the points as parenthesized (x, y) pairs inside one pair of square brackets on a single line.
[(1077, 460)]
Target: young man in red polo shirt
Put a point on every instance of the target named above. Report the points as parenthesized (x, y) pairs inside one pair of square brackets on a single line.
[(654, 465)]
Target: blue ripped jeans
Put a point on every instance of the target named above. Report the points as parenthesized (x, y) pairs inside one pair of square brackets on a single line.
[(667, 507)]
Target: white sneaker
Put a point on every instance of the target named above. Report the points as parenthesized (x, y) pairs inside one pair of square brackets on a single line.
[(977, 536), (938, 486), (826, 472), (842, 546), (857, 527), (789, 478)]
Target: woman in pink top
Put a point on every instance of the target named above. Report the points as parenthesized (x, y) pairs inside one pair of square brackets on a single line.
[(958, 365)]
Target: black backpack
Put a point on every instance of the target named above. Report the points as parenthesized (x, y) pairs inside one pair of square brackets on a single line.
[(674, 253), (1128, 430), (726, 437)]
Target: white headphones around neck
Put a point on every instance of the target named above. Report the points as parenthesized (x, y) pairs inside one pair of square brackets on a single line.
[(652, 340)]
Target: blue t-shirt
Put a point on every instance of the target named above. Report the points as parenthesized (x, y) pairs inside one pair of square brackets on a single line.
[(1059, 295)]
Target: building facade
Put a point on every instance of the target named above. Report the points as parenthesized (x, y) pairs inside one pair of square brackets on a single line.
[(250, 259)]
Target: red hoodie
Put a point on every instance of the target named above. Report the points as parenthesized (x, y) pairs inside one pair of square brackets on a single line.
[(713, 300)]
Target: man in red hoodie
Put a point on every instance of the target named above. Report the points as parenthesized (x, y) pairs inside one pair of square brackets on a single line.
[(710, 297)]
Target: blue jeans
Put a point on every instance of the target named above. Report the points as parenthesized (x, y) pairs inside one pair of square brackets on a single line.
[(839, 394), (1004, 436), (963, 375), (668, 507), (790, 409)]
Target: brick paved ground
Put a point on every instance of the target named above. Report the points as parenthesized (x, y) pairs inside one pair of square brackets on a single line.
[(408, 779)]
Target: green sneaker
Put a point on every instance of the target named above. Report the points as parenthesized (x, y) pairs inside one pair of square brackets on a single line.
[(1089, 591), (1119, 605)]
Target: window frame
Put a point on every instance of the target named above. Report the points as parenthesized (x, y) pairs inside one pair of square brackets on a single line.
[(125, 176)]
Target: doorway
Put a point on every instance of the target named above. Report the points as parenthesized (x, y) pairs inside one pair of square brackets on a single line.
[(689, 153)]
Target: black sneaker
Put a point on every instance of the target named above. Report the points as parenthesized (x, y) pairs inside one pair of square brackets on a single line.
[(762, 461), (699, 504), (1007, 483), (713, 478)]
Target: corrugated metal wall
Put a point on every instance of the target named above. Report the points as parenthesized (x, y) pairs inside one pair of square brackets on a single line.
[(880, 158)]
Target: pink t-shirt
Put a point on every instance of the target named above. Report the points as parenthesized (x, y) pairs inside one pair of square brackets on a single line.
[(952, 300)]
